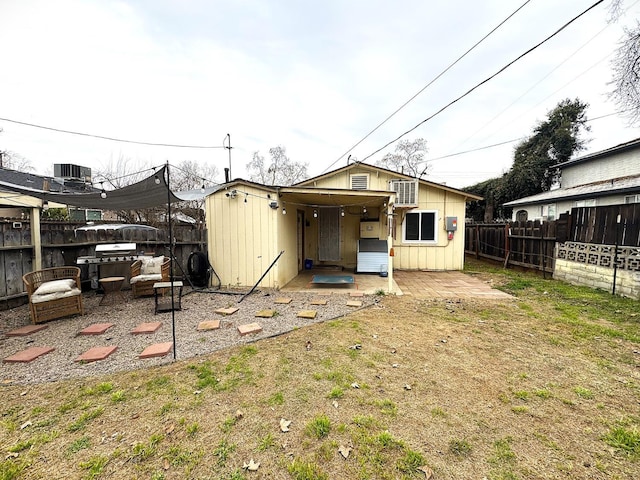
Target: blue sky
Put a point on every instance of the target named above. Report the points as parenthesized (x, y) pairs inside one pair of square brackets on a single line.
[(314, 77)]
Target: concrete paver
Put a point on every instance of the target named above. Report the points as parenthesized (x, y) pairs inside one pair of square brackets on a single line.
[(148, 327), (249, 328), (156, 350), (28, 355), (208, 325), (26, 330), (96, 329), (96, 353)]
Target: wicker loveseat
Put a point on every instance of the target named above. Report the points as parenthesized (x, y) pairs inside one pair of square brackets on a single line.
[(54, 293), (146, 272)]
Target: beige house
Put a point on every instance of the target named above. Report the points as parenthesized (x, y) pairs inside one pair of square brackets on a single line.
[(361, 218)]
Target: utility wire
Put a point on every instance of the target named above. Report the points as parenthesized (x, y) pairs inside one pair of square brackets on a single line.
[(472, 89), (427, 85), (109, 138)]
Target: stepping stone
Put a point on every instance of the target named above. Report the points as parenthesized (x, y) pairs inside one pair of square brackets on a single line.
[(318, 301), (356, 294), (208, 325), (354, 303), (266, 313), (227, 311), (26, 330), (156, 350), (249, 328), (149, 327), (28, 355), (96, 353), (283, 300), (307, 314), (96, 329), (325, 294)]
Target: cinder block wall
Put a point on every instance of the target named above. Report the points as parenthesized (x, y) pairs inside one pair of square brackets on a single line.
[(577, 273)]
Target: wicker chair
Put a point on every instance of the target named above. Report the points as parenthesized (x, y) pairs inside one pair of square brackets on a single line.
[(54, 293), (142, 278)]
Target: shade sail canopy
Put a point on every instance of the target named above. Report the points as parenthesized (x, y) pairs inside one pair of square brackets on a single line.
[(143, 194)]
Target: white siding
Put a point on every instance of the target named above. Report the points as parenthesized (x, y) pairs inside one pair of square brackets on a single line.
[(621, 165)]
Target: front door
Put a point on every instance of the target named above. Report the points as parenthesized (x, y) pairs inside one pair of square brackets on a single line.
[(329, 234)]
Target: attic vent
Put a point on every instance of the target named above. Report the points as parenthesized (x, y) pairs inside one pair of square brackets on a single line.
[(406, 192), (360, 181)]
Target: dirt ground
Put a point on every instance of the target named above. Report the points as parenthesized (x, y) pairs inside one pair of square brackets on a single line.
[(543, 386)]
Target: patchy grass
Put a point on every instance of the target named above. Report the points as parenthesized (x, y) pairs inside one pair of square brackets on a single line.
[(540, 386)]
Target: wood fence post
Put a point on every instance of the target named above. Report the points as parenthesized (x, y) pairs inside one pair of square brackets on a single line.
[(506, 245), (477, 241)]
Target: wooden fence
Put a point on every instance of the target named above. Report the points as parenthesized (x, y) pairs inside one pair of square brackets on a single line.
[(62, 245), (526, 244), (532, 244)]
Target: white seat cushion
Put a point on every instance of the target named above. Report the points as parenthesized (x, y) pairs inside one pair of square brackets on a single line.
[(55, 295), (143, 278)]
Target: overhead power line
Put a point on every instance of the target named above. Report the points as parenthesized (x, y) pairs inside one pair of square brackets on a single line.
[(428, 85), (472, 89), (70, 132)]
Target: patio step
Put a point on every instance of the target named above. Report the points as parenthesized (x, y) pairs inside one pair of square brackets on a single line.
[(26, 330), (96, 353)]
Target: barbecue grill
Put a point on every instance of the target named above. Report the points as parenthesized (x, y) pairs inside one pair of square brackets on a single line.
[(110, 260)]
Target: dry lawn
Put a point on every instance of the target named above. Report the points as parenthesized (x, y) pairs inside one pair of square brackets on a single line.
[(544, 386)]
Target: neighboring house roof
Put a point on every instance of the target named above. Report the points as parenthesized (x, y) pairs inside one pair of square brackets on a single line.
[(589, 190), (631, 145), (374, 168), (614, 186), (39, 182)]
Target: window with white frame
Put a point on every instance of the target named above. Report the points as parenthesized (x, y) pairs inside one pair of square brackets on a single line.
[(586, 203), (420, 227), (632, 198)]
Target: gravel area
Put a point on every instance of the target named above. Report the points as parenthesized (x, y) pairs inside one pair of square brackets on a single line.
[(197, 306)]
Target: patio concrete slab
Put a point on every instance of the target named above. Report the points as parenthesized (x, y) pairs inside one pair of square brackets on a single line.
[(96, 329), (354, 303), (28, 355), (445, 285), (227, 311), (266, 313), (156, 350), (26, 330), (356, 294), (283, 300), (307, 314), (148, 327), (208, 325), (318, 301), (96, 354), (249, 328)]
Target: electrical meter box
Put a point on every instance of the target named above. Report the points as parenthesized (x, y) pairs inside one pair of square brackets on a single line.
[(451, 224)]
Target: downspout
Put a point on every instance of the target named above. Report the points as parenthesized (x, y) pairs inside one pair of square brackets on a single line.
[(390, 243), (36, 238)]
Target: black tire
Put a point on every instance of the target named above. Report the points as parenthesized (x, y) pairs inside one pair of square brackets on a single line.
[(198, 268)]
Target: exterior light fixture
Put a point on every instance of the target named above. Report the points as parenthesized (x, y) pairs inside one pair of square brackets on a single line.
[(315, 213), (342, 212), (245, 197), (156, 179), (202, 188), (284, 210), (103, 194), (364, 209)]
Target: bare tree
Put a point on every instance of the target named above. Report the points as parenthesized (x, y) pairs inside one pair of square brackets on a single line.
[(626, 68), (14, 161), (408, 158), (281, 170), (190, 175)]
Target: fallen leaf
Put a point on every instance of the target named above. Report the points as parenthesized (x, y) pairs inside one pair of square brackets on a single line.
[(25, 425), (308, 345), (251, 466), (239, 414), (284, 424), (22, 394), (197, 392), (169, 428), (395, 365), (407, 387), (357, 346), (12, 455), (166, 464), (344, 451), (428, 473), (335, 404), (355, 385)]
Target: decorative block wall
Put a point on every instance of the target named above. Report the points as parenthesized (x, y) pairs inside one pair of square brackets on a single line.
[(592, 265)]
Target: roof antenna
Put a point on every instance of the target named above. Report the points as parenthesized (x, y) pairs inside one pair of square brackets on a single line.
[(348, 158)]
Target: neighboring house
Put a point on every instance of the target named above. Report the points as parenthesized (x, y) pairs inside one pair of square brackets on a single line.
[(608, 177), (67, 180), (360, 217)]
